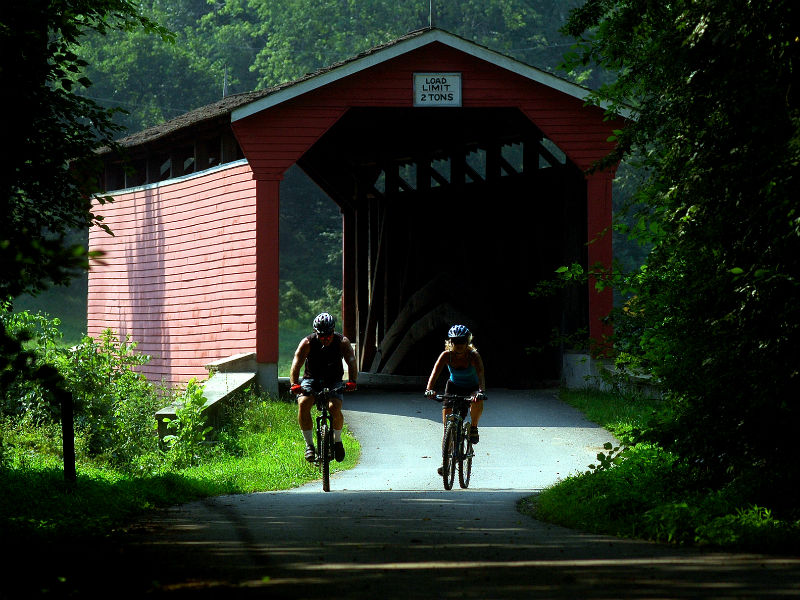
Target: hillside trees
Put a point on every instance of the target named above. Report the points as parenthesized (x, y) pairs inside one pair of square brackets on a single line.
[(232, 46), (717, 306), (153, 80), (304, 35)]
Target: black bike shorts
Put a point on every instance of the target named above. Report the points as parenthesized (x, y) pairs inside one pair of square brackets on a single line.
[(458, 390)]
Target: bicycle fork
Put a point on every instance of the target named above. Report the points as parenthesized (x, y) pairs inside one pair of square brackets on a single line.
[(323, 419)]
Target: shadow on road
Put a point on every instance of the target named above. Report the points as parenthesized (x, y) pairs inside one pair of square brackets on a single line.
[(403, 545)]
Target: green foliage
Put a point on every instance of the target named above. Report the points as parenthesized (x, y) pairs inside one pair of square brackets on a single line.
[(301, 36), (298, 310), (46, 182), (652, 494), (21, 394), (114, 405), (624, 415), (258, 448), (189, 427), (715, 312), (37, 505), (613, 457), (151, 80)]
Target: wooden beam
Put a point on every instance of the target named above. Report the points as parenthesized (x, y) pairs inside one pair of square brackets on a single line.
[(229, 147), (547, 155), (349, 281), (424, 173), (438, 177), (506, 166), (493, 159), (471, 173), (367, 349), (458, 159), (361, 261)]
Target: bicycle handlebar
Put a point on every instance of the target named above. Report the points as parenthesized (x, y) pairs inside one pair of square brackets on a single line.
[(443, 397), (338, 387)]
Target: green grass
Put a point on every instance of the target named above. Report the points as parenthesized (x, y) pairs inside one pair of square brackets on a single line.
[(616, 413), (649, 494), (262, 449)]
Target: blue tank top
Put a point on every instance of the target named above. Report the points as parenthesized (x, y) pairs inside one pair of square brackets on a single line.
[(467, 377)]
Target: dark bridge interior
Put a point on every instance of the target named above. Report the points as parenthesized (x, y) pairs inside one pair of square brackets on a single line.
[(453, 216)]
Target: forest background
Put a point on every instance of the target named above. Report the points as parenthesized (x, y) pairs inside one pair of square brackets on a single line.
[(224, 47)]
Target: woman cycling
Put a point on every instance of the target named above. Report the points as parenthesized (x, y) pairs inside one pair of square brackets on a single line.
[(466, 375)]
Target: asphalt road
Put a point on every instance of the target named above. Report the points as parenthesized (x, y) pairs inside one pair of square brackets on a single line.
[(388, 529)]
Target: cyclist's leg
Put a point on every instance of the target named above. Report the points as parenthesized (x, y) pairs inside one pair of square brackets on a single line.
[(337, 418), (475, 412), (304, 403), (335, 408)]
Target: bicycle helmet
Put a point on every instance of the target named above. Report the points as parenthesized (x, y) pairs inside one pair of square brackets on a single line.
[(324, 323), (459, 333)]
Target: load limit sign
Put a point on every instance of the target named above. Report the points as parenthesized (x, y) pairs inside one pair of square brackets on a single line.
[(437, 89)]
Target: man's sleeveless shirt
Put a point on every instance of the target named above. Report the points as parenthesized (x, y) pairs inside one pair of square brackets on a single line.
[(324, 363)]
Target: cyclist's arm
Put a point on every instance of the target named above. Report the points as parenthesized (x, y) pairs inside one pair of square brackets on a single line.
[(299, 360), (350, 359), (437, 369)]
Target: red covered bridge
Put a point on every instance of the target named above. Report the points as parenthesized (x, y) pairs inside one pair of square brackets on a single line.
[(461, 178)]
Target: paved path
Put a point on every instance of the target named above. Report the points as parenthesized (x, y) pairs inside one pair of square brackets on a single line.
[(388, 530), (528, 441)]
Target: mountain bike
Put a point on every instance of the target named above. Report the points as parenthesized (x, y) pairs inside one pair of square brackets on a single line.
[(456, 444), (324, 430)]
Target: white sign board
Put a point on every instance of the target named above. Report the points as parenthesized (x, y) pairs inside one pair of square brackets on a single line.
[(437, 89)]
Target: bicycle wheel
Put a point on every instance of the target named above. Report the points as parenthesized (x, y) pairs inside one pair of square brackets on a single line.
[(449, 450), (325, 454), (465, 458)]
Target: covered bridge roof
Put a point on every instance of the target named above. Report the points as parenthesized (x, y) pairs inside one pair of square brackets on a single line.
[(238, 106)]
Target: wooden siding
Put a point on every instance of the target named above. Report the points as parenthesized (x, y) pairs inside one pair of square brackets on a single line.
[(179, 275)]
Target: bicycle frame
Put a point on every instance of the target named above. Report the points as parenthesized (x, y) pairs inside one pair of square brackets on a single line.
[(456, 445), (324, 433)]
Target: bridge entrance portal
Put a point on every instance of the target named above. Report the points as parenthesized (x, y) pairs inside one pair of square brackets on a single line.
[(453, 216)]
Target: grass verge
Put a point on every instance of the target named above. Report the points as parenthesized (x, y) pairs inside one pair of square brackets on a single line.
[(647, 493), (260, 450)]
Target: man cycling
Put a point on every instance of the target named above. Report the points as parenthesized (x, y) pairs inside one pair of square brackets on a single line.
[(321, 353)]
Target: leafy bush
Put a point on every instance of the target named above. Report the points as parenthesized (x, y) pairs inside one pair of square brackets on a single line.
[(649, 492), (189, 428), (114, 405), (20, 395), (715, 312)]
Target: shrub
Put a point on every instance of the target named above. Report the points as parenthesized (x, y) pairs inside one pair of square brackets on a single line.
[(189, 428), (114, 405)]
